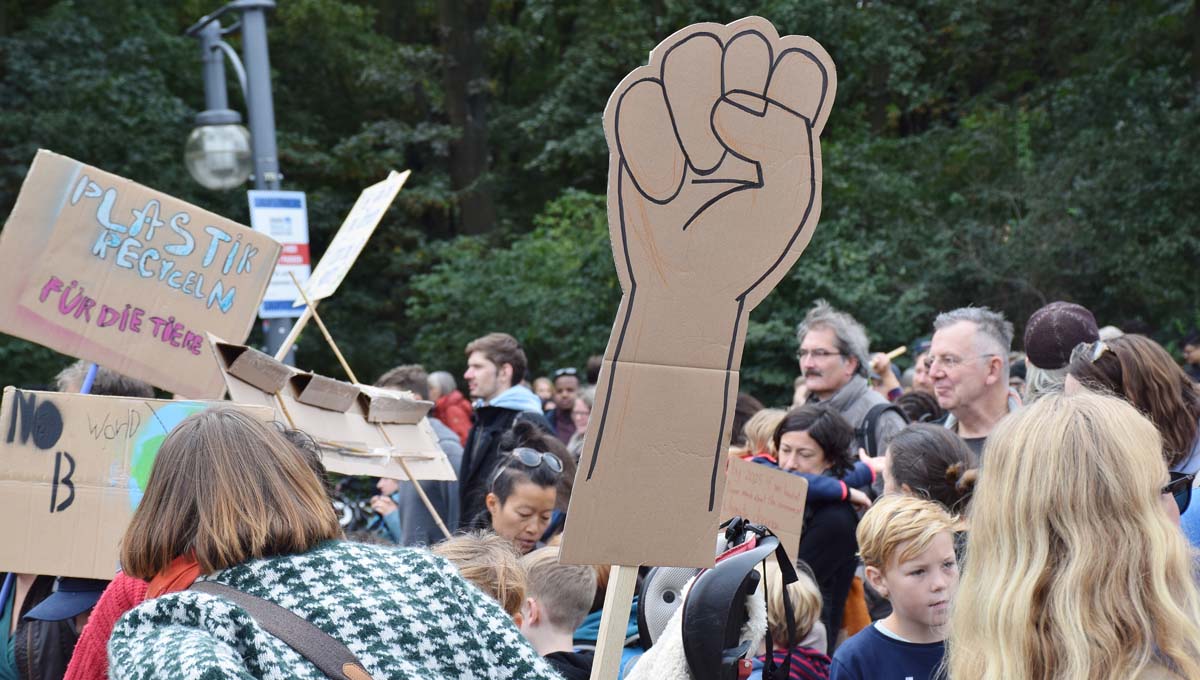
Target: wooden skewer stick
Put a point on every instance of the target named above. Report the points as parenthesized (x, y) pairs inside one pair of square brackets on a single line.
[(295, 332), (897, 352), (354, 379)]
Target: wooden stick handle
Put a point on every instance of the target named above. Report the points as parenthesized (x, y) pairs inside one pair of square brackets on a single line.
[(618, 601), (294, 334), (897, 352)]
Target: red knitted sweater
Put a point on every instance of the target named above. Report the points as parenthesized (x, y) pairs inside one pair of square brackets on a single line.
[(90, 660)]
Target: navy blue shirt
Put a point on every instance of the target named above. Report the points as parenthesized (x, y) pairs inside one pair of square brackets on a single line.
[(871, 655)]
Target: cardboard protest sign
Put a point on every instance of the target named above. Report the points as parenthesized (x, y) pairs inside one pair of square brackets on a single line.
[(105, 269), (768, 496), (338, 415), (714, 190), (73, 468), (372, 203)]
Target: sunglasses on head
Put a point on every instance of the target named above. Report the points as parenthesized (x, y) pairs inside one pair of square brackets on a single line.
[(530, 459), (565, 371), (1180, 488)]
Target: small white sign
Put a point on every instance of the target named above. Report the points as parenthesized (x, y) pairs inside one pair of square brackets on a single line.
[(283, 215)]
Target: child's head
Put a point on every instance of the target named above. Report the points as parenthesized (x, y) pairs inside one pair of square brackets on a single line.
[(932, 462), (907, 546), (805, 599), (488, 561), (760, 430), (558, 596)]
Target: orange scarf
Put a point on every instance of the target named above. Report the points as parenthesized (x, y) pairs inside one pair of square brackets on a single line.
[(179, 575)]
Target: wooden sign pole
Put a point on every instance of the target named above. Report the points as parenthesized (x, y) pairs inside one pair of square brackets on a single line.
[(614, 621)]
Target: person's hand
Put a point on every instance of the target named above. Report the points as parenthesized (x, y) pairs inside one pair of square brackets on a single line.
[(715, 162), (859, 500), (383, 505), (876, 464)]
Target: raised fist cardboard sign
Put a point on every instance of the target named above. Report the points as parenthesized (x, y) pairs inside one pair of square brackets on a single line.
[(714, 190)]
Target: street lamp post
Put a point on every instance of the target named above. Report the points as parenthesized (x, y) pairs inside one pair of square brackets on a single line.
[(216, 152)]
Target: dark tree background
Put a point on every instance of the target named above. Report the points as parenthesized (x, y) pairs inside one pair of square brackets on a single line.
[(995, 152)]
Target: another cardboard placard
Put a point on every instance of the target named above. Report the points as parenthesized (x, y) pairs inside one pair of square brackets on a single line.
[(714, 190), (767, 496), (105, 269), (350, 444), (73, 468), (357, 228)]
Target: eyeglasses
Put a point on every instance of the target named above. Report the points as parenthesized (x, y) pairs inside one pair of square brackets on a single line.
[(530, 459), (950, 362), (565, 371), (1180, 487), (818, 354)]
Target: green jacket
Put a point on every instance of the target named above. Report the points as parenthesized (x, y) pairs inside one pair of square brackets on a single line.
[(405, 613)]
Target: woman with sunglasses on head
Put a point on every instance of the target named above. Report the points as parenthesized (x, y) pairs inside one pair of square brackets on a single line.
[(523, 491), (1074, 570), (1141, 372)]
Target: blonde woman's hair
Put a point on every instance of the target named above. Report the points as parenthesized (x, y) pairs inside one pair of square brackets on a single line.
[(226, 488), (1073, 570), (805, 599), (564, 591), (760, 430), (902, 527), (490, 563)]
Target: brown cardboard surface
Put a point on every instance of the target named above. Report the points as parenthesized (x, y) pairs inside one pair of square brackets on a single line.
[(72, 468), (105, 269), (349, 444), (357, 228), (714, 190), (393, 406), (768, 496), (326, 393), (257, 368)]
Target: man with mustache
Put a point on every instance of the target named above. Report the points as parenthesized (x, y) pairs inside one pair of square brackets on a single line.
[(834, 357)]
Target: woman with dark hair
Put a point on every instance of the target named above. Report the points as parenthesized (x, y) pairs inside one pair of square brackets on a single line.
[(816, 439), (523, 491), (931, 462), (231, 506), (1138, 370)]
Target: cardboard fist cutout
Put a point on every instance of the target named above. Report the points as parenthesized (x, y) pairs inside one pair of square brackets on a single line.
[(714, 190)]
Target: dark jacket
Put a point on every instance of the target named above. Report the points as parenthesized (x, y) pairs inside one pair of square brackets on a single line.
[(830, 548), (42, 649), (481, 454), (571, 665)]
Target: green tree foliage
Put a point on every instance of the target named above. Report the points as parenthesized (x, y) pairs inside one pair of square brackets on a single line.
[(992, 152)]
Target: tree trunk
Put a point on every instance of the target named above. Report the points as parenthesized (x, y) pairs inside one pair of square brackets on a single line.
[(466, 91)]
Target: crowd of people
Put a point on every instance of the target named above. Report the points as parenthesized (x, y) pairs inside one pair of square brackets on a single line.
[(984, 514)]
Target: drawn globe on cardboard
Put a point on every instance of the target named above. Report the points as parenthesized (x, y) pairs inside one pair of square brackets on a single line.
[(149, 438)]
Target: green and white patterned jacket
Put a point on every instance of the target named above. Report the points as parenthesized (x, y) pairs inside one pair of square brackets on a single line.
[(405, 613)]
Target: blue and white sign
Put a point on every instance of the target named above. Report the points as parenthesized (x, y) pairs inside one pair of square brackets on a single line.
[(283, 215)]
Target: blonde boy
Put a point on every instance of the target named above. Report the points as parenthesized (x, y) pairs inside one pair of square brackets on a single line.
[(907, 547), (557, 601)]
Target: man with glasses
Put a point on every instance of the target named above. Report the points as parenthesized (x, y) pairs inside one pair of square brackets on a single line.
[(834, 358), (566, 388), (968, 364)]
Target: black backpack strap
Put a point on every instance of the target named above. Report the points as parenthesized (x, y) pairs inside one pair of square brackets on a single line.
[(325, 652), (867, 428)]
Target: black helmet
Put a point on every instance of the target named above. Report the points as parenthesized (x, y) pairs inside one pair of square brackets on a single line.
[(714, 612)]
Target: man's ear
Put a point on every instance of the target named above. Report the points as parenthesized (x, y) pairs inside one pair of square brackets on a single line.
[(504, 372), (995, 371), (875, 578)]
